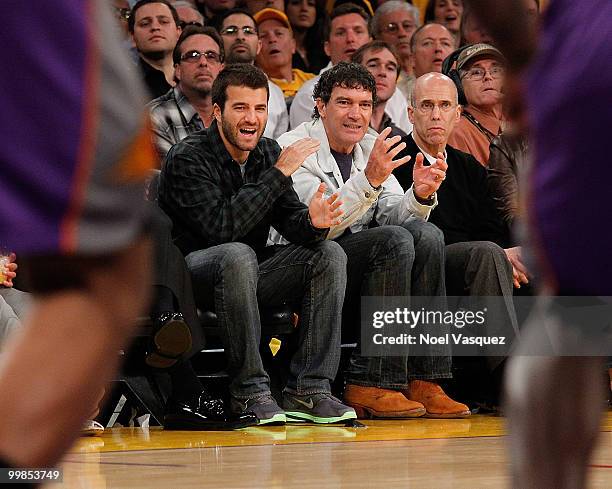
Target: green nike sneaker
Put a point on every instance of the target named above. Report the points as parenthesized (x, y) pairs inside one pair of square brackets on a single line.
[(318, 408), (264, 407)]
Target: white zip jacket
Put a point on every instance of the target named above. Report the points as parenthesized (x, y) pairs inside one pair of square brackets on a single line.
[(361, 203)]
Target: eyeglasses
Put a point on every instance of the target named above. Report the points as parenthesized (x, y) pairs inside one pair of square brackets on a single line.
[(182, 24), (393, 28), (232, 30), (194, 56), (122, 13), (477, 74), (426, 106)]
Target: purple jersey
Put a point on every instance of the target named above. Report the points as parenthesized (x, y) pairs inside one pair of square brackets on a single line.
[(570, 104), (73, 143)]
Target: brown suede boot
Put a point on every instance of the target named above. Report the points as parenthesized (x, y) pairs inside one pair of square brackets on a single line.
[(374, 402), (435, 400)]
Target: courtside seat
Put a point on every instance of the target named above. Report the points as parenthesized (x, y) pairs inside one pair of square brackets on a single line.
[(276, 320), (141, 387)]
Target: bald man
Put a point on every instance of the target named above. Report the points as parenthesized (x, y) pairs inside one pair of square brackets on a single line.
[(476, 262)]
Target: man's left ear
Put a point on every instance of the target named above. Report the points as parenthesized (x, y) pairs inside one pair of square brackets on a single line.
[(326, 48), (217, 113), (258, 47), (321, 107), (458, 115)]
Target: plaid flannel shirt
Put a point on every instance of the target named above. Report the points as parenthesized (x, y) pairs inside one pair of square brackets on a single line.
[(173, 118), (203, 192)]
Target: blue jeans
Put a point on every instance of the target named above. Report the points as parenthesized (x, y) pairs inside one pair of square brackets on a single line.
[(228, 279), (395, 261)]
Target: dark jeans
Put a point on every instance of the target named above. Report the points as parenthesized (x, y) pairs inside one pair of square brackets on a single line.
[(229, 279), (481, 268), (395, 261)]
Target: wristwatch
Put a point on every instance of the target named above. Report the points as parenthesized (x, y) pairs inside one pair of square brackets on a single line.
[(428, 201)]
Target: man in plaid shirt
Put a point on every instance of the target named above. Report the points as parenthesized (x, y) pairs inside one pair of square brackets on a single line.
[(223, 188), (187, 107)]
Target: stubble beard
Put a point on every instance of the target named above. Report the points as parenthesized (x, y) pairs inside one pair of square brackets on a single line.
[(231, 134), (235, 58), (196, 91)]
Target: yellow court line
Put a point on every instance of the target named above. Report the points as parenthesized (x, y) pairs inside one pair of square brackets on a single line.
[(129, 439)]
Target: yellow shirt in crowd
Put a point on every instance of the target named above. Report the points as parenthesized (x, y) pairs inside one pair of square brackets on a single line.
[(291, 87)]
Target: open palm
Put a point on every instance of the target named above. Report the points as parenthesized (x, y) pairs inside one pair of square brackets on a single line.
[(324, 213)]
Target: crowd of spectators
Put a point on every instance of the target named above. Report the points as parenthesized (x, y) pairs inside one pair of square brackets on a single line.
[(312, 153)]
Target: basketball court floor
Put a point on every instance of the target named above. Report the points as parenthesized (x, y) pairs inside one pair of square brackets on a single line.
[(408, 454)]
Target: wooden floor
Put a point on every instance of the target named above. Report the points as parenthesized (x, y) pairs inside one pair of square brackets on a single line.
[(412, 454)]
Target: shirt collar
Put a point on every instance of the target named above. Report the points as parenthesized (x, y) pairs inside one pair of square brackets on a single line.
[(430, 159), (385, 121), (184, 105), (329, 66)]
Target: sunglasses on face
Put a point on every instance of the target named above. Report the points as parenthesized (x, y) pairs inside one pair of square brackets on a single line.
[(194, 57)]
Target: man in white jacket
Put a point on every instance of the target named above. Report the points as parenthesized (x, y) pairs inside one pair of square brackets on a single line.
[(391, 249), (348, 30)]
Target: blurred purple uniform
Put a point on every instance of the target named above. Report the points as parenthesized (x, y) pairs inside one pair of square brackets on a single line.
[(73, 145), (570, 102)]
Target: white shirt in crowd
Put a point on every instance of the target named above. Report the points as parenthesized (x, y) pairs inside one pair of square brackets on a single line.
[(278, 118)]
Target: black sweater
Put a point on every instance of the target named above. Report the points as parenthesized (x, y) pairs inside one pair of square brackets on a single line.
[(465, 210)]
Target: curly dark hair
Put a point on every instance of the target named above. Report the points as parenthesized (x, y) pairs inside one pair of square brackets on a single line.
[(237, 75), (345, 75)]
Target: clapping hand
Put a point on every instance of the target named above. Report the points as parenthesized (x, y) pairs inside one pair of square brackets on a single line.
[(292, 157), (324, 213), (381, 162), (8, 270), (427, 179)]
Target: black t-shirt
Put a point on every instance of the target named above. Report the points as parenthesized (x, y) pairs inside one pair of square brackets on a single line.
[(345, 163), (465, 210)]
